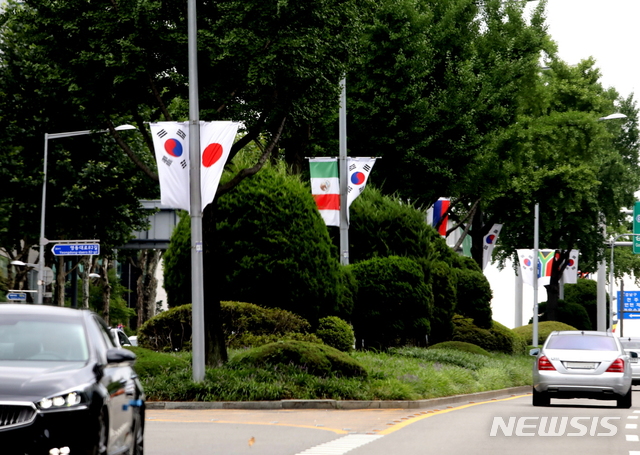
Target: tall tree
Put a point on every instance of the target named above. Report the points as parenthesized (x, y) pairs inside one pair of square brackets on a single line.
[(265, 64), (580, 171)]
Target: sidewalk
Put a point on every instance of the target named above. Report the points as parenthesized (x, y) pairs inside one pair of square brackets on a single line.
[(339, 404)]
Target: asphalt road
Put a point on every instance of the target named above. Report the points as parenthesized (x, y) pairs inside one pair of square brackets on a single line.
[(505, 425)]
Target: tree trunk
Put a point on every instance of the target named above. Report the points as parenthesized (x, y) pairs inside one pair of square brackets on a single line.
[(60, 281), (86, 268), (106, 289), (560, 261), (146, 285), (215, 348)]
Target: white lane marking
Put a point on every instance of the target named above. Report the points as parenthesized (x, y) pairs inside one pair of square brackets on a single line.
[(632, 417), (631, 426), (341, 445), (632, 437)]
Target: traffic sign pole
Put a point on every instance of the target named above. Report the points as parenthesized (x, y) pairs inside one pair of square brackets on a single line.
[(636, 228)]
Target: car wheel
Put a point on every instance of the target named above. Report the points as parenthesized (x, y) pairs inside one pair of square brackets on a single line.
[(540, 398), (625, 400)]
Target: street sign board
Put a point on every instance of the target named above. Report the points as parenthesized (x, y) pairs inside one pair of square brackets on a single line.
[(636, 228), (76, 249), (17, 296), (631, 303)]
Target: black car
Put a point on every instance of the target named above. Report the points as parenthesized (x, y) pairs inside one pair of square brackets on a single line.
[(64, 385)]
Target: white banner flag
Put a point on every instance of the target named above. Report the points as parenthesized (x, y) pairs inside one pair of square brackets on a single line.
[(170, 141), (358, 169), (570, 274), (171, 144), (488, 243), (544, 266), (216, 139), (526, 266)]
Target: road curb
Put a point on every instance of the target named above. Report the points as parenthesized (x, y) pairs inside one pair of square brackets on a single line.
[(340, 404)]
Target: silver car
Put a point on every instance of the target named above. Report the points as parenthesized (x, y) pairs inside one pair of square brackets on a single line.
[(632, 347), (582, 364)]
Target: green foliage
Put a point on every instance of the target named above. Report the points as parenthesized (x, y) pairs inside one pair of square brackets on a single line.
[(382, 226), (498, 338), (408, 374), (176, 264), (119, 312), (460, 346), (243, 324), (167, 331), (273, 248), (393, 306), (152, 363), (249, 340), (570, 313), (317, 359), (544, 329), (474, 297), (443, 283), (246, 324), (585, 293), (336, 333)]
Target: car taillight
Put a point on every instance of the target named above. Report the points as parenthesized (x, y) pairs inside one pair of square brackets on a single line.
[(545, 364), (616, 367)]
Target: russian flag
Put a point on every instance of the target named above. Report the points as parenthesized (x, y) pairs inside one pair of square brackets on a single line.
[(436, 215)]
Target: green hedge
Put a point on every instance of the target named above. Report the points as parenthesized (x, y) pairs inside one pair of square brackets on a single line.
[(243, 324), (498, 338), (544, 329), (317, 359)]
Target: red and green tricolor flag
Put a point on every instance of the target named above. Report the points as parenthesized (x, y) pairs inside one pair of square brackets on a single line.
[(325, 187)]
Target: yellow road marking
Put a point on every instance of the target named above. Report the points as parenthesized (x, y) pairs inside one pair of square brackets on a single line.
[(333, 430), (438, 412)]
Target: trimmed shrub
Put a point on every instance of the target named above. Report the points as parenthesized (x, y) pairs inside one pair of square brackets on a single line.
[(474, 296), (585, 293), (443, 282), (316, 359), (498, 338), (243, 324), (544, 329), (460, 346), (393, 305), (572, 314), (271, 248), (167, 331), (336, 333)]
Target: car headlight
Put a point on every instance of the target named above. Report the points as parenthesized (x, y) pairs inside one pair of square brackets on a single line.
[(62, 401)]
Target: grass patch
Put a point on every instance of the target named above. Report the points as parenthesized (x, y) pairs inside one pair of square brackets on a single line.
[(401, 374)]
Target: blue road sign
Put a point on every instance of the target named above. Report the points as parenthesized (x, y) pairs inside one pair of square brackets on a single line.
[(17, 296), (631, 303), (76, 249)]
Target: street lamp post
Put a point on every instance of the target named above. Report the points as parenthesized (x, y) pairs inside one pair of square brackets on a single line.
[(43, 241), (602, 266)]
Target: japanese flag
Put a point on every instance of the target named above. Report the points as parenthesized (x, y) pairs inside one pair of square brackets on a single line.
[(216, 139)]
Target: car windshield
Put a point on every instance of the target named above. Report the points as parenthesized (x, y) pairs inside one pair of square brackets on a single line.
[(28, 339), (631, 344), (582, 342)]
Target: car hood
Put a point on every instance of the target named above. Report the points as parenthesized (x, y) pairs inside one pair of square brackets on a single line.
[(34, 380)]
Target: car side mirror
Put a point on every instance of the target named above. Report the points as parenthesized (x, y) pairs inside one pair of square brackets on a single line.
[(534, 351), (634, 356), (119, 355)]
